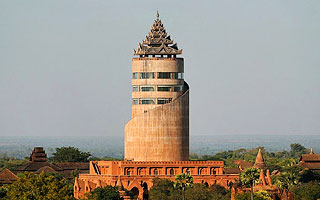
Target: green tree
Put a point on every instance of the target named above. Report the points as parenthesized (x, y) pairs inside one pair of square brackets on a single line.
[(69, 154), (10, 162), (107, 193), (307, 175), (161, 189), (308, 191), (39, 187), (183, 181), (218, 189), (219, 192), (260, 195), (93, 158), (297, 150), (3, 192), (285, 181), (242, 196), (249, 178), (198, 192)]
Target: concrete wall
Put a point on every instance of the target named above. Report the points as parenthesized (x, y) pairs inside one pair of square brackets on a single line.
[(159, 132)]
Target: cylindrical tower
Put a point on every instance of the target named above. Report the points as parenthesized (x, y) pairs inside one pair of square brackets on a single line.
[(159, 128), (155, 81)]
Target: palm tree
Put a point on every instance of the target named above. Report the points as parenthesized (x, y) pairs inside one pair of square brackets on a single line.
[(285, 181), (249, 178), (183, 181)]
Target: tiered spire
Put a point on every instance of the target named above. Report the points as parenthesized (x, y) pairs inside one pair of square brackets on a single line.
[(259, 161), (157, 42), (38, 155)]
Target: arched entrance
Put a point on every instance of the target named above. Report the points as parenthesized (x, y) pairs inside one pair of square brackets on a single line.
[(135, 192), (145, 191)]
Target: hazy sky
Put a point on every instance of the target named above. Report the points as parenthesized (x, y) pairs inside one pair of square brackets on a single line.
[(253, 66)]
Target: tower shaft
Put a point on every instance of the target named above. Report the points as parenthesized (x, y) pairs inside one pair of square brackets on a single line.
[(159, 128)]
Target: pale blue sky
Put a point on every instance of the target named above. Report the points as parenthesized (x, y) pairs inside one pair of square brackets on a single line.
[(253, 66)]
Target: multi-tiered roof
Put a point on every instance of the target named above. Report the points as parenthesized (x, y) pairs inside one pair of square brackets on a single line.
[(157, 42)]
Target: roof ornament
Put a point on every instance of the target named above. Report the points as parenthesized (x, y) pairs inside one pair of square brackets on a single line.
[(157, 42), (311, 151)]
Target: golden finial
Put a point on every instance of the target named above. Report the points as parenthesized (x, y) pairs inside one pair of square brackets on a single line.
[(157, 15)]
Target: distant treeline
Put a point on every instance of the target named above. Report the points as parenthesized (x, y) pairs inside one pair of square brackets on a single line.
[(273, 160)]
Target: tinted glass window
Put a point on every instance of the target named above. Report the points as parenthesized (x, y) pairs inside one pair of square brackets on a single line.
[(135, 88), (178, 75), (147, 101), (164, 88), (147, 88), (135, 101), (146, 75), (164, 100), (134, 75), (166, 75)]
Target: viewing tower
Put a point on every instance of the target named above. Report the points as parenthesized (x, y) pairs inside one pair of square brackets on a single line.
[(157, 136), (159, 128)]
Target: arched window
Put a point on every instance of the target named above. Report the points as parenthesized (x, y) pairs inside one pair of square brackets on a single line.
[(128, 172), (156, 172), (171, 171)]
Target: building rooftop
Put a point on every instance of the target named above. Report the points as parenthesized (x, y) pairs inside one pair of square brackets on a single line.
[(242, 164), (7, 177), (38, 155), (310, 161), (231, 171), (310, 157), (39, 163), (34, 166), (157, 42)]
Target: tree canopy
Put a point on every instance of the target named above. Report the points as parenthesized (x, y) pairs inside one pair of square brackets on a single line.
[(307, 191), (163, 189), (39, 187), (287, 179), (10, 162), (107, 193), (69, 154), (273, 160), (249, 178), (297, 150), (260, 195)]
